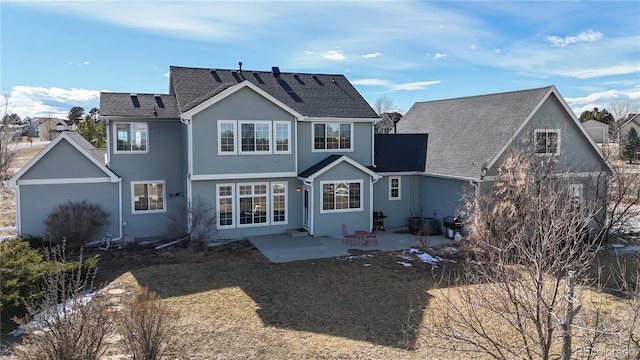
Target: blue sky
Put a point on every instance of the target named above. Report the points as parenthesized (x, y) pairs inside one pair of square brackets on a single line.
[(55, 55)]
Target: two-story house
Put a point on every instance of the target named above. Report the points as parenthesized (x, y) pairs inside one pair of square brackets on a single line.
[(273, 151), (270, 151)]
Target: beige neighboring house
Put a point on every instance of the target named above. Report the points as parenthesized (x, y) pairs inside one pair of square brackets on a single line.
[(47, 128), (633, 122), (598, 131)]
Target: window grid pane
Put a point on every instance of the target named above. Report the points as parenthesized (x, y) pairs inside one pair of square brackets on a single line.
[(328, 197), (227, 137), (319, 141), (354, 195), (345, 136), (262, 137), (282, 137), (248, 137)]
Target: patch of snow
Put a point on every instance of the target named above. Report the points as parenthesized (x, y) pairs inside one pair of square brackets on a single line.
[(46, 315), (617, 245), (404, 263), (426, 258), (354, 257), (366, 264), (475, 262), (450, 250), (628, 249)]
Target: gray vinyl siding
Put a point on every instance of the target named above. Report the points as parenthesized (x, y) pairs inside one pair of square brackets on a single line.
[(397, 212), (37, 201), (242, 105), (206, 190), (63, 161), (440, 197), (576, 153), (329, 224), (163, 162), (361, 138)]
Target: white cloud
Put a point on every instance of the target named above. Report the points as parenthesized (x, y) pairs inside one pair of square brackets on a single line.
[(333, 55), (167, 74), (39, 101), (472, 47), (372, 55), (371, 82), (602, 71), (86, 63), (415, 85), (585, 36), (439, 55), (601, 99)]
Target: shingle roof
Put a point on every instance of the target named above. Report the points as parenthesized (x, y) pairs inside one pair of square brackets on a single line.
[(465, 133), (138, 105), (320, 95), (400, 152), (97, 153), (319, 166), (635, 119)]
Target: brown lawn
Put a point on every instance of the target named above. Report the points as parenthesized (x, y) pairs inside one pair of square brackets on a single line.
[(7, 199)]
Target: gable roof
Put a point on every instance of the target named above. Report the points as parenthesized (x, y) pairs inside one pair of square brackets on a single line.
[(162, 106), (591, 124), (470, 133), (95, 155), (635, 119), (312, 95), (329, 162), (400, 152)]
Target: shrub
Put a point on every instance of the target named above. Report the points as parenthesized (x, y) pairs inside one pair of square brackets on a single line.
[(146, 326), (67, 324), (77, 222), (20, 269)]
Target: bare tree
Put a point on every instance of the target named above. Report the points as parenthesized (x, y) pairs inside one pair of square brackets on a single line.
[(383, 104), (195, 221), (7, 152), (519, 294), (622, 108)]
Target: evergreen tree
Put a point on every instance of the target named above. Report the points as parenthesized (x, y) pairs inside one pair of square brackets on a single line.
[(94, 131), (629, 145)]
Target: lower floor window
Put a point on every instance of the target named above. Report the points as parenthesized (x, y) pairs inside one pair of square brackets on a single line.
[(251, 204), (148, 196), (341, 196)]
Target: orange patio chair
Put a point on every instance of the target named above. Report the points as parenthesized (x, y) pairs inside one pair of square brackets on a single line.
[(372, 237)]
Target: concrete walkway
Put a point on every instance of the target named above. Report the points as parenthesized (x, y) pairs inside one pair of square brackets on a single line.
[(281, 248)]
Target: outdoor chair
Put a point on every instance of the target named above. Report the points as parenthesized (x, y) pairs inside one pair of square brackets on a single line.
[(372, 237), (346, 237)]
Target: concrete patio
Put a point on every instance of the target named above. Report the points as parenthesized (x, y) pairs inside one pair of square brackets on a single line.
[(281, 248)]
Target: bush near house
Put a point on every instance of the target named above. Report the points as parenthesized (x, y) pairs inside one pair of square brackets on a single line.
[(76, 222), (22, 273)]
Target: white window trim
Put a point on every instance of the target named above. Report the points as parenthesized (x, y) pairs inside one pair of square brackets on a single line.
[(235, 137), (238, 197), (148, 182), (255, 152), (535, 133), (399, 187), (275, 145), (233, 205), (322, 183), (313, 137), (115, 138), (286, 202)]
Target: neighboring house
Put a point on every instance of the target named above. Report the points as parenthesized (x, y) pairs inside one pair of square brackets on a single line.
[(273, 151), (387, 124), (598, 131), (470, 136), (49, 128), (633, 122)]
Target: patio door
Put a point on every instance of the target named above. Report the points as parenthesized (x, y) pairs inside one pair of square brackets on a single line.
[(306, 207)]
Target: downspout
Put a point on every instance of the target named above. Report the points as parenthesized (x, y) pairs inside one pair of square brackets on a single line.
[(190, 168), (371, 182), (413, 213), (373, 144)]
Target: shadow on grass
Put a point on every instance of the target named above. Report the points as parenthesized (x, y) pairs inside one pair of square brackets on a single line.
[(374, 303)]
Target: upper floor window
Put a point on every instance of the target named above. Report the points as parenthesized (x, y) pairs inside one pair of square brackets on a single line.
[(131, 137), (341, 196), (332, 136), (547, 141), (147, 196), (394, 188), (255, 137)]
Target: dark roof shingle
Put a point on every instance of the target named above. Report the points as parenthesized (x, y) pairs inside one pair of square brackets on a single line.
[(313, 95), (400, 152), (139, 105)]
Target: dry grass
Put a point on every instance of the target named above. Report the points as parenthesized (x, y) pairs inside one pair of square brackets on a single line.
[(7, 198)]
